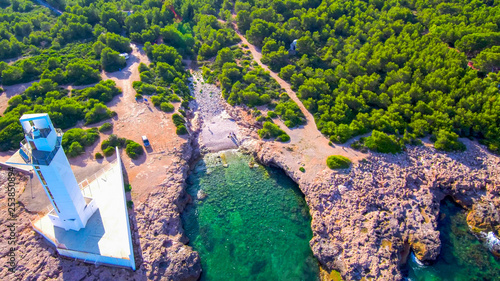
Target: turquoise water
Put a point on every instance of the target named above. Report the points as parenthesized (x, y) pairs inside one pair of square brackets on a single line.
[(463, 256), (253, 224)]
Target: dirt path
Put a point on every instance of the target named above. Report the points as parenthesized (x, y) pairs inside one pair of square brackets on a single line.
[(257, 55), (156, 179), (309, 145), (10, 91), (133, 120)]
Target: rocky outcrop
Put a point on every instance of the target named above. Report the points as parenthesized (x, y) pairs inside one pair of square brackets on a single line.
[(164, 250), (160, 247), (366, 218), (362, 218), (484, 216)]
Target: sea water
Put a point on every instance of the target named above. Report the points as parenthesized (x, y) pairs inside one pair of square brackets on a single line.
[(248, 223), (463, 256)]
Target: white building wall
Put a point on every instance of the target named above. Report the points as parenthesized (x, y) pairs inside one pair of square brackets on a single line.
[(93, 258), (124, 199), (64, 188)]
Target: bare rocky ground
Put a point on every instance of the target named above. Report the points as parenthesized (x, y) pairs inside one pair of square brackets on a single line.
[(215, 124), (159, 245)]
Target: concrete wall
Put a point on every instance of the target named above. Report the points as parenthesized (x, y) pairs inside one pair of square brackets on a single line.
[(93, 258), (119, 163)]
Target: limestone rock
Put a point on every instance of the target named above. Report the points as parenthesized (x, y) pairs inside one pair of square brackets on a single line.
[(365, 221)]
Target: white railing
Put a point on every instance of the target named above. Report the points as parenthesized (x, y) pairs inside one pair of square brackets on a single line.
[(83, 184), (86, 182)]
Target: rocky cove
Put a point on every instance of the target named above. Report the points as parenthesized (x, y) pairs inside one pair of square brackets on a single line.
[(365, 220), (247, 221)]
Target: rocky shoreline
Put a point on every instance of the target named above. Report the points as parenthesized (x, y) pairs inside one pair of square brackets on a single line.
[(160, 246), (366, 219)]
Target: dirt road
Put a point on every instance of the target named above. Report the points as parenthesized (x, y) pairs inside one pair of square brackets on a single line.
[(134, 120), (310, 147), (10, 91)]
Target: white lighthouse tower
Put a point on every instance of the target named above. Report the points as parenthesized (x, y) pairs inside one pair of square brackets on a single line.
[(75, 226), (42, 150)]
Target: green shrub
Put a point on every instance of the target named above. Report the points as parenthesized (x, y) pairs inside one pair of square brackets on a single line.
[(133, 149), (338, 162), (260, 119), (283, 138), (178, 119), (98, 155), (302, 169), (156, 100), (111, 60), (143, 67), (147, 89), (179, 122), (271, 130), (272, 114), (130, 204), (181, 130), (75, 149), (381, 142), (84, 137), (167, 107), (174, 98), (448, 141), (105, 127), (98, 113), (115, 141), (104, 144), (127, 187), (109, 151), (78, 136), (290, 112), (138, 96)]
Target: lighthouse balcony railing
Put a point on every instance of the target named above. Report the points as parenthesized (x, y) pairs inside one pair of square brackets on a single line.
[(42, 133), (39, 157), (25, 152)]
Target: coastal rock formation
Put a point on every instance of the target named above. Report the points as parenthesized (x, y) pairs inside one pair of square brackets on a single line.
[(387, 201), (165, 254), (159, 243), (366, 219)]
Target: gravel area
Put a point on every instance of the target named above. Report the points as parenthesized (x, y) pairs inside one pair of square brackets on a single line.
[(218, 130)]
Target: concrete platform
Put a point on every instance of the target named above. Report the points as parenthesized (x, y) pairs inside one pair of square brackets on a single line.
[(106, 239), (16, 158)]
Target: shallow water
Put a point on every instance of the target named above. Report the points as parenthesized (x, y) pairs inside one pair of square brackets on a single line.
[(463, 256), (253, 224)]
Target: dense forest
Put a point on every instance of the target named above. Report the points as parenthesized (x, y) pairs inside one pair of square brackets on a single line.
[(73, 48), (400, 69), (404, 68)]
